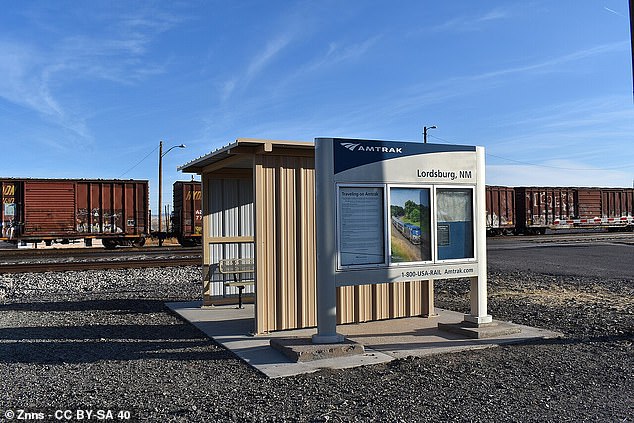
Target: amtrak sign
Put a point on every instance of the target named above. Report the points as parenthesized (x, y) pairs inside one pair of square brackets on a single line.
[(397, 211)]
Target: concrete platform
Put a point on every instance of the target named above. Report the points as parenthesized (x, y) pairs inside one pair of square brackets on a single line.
[(383, 341)]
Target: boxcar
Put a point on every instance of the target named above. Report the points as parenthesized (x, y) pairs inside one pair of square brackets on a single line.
[(540, 208), (59, 210), (500, 209), (187, 220)]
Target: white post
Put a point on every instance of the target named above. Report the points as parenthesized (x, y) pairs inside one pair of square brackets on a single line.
[(478, 291)]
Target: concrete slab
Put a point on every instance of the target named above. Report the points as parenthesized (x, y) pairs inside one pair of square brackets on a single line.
[(487, 330), (383, 341), (303, 349)]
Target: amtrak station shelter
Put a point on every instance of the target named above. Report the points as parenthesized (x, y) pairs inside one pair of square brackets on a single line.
[(343, 230)]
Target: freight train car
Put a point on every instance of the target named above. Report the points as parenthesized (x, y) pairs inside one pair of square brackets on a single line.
[(187, 220), (500, 209), (541, 208), (60, 210)]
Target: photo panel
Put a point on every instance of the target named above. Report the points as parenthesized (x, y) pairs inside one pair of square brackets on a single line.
[(410, 220)]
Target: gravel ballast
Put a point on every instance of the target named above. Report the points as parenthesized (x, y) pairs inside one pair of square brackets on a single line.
[(103, 340)]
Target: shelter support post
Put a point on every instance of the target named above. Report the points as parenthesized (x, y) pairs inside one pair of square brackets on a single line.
[(478, 291)]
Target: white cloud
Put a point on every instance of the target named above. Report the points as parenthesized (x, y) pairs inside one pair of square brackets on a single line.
[(418, 96), (35, 75), (272, 49), (338, 54), (473, 22), (258, 63)]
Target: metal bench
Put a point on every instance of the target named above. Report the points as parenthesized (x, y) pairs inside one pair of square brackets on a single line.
[(237, 267)]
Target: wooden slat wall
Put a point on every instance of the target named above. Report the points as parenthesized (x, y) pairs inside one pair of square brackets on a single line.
[(265, 248), (285, 242)]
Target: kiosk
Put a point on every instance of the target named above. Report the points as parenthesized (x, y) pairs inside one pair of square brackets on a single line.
[(394, 212)]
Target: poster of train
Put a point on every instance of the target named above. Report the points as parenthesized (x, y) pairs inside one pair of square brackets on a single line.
[(410, 236)]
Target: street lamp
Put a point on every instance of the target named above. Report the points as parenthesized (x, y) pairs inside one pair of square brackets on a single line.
[(160, 199), (425, 128)]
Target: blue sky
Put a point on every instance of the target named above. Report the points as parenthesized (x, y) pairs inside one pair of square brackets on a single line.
[(88, 89)]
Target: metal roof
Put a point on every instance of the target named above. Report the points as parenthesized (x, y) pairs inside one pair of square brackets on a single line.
[(196, 165)]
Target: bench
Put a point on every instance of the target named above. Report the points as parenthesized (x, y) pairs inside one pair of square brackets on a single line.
[(236, 268)]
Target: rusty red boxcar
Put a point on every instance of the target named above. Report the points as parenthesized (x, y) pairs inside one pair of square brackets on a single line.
[(500, 209), (58, 210), (541, 208), (187, 220)]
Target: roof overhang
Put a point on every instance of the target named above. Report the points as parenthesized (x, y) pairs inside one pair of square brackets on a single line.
[(246, 147)]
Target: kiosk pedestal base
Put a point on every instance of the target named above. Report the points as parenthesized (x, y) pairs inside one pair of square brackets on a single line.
[(337, 338), (478, 320), (478, 331), (302, 349)]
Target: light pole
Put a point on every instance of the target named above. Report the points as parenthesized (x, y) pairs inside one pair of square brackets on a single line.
[(160, 199), (425, 128)]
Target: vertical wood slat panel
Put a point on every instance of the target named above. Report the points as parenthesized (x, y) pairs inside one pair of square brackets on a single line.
[(380, 302), (285, 237), (266, 311), (345, 305), (363, 303), (286, 226), (397, 300), (305, 246)]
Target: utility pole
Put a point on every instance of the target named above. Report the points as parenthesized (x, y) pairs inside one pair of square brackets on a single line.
[(160, 188), (160, 194), (425, 128)]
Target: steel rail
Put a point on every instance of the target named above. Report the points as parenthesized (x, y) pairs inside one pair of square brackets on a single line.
[(98, 265), (95, 251)]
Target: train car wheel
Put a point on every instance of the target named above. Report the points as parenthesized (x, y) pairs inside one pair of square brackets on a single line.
[(139, 242), (109, 244)]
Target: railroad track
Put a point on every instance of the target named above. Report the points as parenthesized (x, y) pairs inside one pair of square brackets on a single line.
[(82, 260), (580, 237), (88, 251)]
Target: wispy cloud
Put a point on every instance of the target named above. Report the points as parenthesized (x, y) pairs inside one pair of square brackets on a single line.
[(453, 87), (472, 22), (552, 64), (615, 12), (258, 63), (590, 131), (272, 49), (35, 75), (575, 174), (338, 53)]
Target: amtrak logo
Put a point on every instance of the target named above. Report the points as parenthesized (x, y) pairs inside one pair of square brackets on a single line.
[(350, 146), (373, 149)]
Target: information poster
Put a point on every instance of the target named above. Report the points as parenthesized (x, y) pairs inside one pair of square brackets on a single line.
[(361, 226)]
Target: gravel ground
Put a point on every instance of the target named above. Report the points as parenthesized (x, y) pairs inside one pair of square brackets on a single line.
[(103, 340)]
